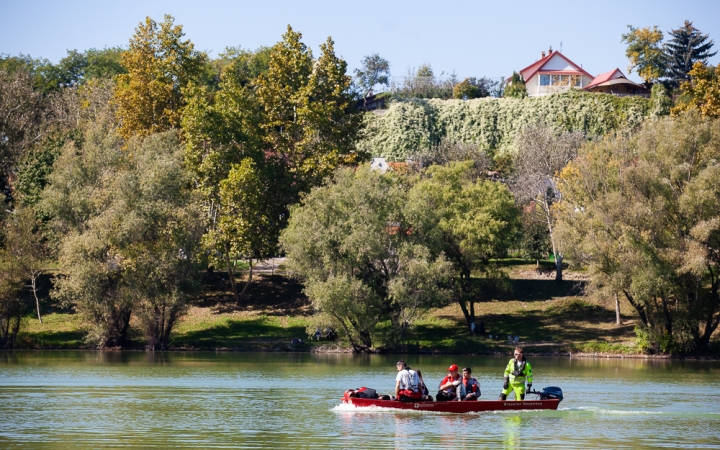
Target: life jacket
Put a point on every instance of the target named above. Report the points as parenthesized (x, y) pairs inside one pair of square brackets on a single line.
[(448, 379), (468, 386), (519, 371)]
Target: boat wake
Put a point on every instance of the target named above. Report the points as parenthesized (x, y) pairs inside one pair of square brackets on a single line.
[(593, 410)]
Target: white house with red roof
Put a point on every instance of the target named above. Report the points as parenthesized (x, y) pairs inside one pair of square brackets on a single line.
[(554, 73)]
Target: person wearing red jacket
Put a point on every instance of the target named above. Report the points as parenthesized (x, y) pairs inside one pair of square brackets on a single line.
[(449, 385)]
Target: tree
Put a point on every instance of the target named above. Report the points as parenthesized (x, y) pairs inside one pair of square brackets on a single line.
[(21, 119), (129, 233), (350, 244), (222, 134), (244, 221), (11, 306), (541, 153), (448, 151), (469, 221), (700, 93), (159, 65), (294, 124), (471, 88), (516, 88), (466, 90), (25, 243), (645, 52), (375, 70), (307, 114), (535, 239), (686, 47), (642, 212)]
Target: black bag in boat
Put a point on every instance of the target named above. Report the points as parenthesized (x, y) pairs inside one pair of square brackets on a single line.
[(362, 392)]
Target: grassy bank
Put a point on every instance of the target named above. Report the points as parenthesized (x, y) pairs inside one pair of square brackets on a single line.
[(548, 317)]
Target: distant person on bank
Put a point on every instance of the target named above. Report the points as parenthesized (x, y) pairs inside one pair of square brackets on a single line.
[(449, 385), (407, 383), (517, 372)]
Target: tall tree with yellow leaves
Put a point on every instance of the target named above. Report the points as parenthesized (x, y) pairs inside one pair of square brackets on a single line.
[(645, 52), (159, 65), (701, 93)]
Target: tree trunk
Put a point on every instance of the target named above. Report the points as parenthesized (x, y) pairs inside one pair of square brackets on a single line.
[(249, 279), (638, 308), (617, 310), (33, 280), (231, 275), (558, 268)]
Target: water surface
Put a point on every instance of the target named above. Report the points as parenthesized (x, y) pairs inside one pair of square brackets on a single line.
[(267, 400)]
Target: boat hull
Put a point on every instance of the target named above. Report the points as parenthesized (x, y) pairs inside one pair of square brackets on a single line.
[(457, 407)]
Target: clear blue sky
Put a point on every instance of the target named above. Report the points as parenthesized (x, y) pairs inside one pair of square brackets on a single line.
[(473, 38)]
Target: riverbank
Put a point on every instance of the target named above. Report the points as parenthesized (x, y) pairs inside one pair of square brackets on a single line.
[(548, 318)]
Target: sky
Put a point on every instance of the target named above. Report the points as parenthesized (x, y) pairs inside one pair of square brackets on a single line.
[(471, 38)]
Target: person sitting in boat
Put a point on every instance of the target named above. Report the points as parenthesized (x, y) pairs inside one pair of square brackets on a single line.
[(423, 388), (407, 383), (469, 387), (517, 372), (449, 384)]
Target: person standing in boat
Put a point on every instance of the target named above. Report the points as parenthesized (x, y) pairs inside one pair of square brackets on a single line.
[(517, 372), (407, 383), (469, 387), (449, 384)]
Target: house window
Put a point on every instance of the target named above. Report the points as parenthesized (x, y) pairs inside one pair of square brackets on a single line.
[(560, 80)]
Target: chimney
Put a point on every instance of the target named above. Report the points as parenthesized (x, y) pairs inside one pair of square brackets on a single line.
[(543, 53), (550, 51)]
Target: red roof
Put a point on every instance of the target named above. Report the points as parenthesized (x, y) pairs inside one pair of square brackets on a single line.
[(603, 77), (535, 67)]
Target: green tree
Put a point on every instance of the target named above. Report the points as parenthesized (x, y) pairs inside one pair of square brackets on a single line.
[(471, 88), (357, 256), (222, 135), (308, 120), (516, 87), (375, 70), (469, 221), (645, 52), (643, 214), (466, 89), (22, 115), (25, 243), (686, 47), (244, 221), (11, 305), (129, 233), (159, 65)]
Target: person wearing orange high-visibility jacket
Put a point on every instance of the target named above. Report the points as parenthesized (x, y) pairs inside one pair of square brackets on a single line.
[(517, 372)]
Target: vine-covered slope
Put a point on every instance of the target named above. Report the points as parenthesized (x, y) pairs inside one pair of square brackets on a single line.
[(492, 123)]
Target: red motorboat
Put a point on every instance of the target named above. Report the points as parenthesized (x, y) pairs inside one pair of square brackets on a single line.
[(548, 398)]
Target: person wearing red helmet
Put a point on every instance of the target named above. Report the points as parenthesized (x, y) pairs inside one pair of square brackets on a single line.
[(449, 384)]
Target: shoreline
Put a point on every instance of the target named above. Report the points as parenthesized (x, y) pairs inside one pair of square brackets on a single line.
[(348, 351)]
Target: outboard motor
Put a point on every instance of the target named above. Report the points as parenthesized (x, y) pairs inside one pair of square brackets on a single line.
[(550, 392)]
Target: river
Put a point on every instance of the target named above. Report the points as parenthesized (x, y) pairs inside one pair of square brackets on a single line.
[(75, 399)]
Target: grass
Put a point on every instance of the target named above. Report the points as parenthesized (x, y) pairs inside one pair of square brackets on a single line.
[(546, 315), (58, 330)]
